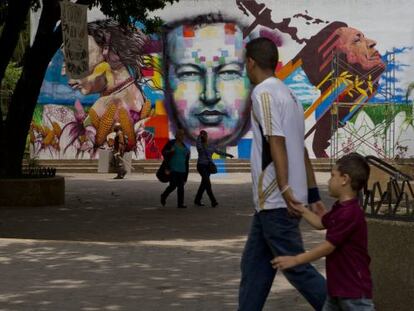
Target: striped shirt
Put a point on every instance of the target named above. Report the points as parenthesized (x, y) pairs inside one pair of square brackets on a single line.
[(276, 112)]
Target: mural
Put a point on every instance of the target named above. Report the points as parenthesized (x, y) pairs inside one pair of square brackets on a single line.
[(357, 72), (193, 76), (116, 64), (207, 87)]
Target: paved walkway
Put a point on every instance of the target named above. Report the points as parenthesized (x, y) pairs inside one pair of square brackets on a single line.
[(112, 247)]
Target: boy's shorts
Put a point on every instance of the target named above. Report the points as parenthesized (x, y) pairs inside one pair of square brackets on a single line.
[(347, 304)]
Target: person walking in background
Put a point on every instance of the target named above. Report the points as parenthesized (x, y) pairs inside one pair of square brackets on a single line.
[(177, 155), (204, 162), (346, 246), (280, 181), (118, 152)]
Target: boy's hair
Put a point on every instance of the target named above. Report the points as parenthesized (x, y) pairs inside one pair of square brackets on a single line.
[(356, 167), (264, 52)]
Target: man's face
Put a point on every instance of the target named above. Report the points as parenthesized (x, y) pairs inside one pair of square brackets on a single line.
[(358, 48), (208, 79)]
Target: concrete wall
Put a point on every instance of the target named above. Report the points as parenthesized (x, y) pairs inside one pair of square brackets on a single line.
[(391, 247)]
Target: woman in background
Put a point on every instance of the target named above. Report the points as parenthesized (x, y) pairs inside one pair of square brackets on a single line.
[(177, 156), (205, 150)]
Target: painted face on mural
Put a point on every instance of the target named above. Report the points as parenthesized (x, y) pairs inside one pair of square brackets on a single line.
[(97, 83), (208, 80), (358, 48)]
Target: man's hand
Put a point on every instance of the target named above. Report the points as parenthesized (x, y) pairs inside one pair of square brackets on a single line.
[(318, 208), (293, 205), (284, 262)]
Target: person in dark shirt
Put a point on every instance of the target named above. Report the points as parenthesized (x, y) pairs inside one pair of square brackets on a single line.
[(346, 246), (205, 151), (177, 156)]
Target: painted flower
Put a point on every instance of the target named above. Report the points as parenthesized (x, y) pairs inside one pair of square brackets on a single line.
[(76, 138)]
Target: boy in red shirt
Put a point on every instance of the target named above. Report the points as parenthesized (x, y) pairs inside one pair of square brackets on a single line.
[(346, 246)]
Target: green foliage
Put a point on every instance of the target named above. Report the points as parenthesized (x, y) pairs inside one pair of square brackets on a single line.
[(37, 114), (127, 12), (11, 77), (379, 113)]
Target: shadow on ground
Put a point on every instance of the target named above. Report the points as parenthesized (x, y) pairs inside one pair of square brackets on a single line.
[(112, 247)]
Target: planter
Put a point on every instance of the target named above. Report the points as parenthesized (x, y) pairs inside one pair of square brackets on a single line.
[(32, 192), (391, 247)]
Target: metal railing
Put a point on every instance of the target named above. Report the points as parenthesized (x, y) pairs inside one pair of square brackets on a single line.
[(396, 199)]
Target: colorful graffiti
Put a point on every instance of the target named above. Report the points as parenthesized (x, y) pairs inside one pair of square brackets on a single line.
[(357, 72), (116, 65), (193, 76), (207, 87)]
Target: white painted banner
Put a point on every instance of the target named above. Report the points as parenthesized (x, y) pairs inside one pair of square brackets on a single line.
[(75, 39)]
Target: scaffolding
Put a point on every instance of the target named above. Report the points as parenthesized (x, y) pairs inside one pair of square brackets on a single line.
[(385, 130)]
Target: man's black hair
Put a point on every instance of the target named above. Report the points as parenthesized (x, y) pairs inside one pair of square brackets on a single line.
[(264, 52), (356, 167)]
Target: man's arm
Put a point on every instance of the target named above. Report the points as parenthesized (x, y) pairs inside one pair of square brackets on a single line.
[(224, 154), (280, 161), (310, 173), (286, 262)]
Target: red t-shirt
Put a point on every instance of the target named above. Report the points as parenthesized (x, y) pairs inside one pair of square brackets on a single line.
[(347, 267)]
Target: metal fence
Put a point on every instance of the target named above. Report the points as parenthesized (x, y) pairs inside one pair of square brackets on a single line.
[(389, 193)]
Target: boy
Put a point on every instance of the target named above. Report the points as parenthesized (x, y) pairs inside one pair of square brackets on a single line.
[(346, 250)]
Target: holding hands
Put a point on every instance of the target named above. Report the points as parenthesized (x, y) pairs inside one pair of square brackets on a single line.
[(295, 207), (284, 262), (318, 208)]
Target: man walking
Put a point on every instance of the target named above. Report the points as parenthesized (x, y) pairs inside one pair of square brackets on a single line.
[(118, 151), (280, 181)]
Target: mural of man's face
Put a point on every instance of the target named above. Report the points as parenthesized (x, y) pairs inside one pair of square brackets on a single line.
[(358, 48), (208, 80)]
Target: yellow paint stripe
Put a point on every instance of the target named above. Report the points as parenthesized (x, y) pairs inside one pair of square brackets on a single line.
[(316, 103), (324, 80), (360, 99)]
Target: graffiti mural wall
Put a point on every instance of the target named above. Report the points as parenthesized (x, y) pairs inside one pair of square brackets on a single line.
[(350, 72)]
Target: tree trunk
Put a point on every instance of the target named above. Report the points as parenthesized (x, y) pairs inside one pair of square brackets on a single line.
[(25, 96), (15, 20)]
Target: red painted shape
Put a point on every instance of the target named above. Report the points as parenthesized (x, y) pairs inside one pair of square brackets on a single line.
[(160, 125), (188, 31), (229, 29)]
